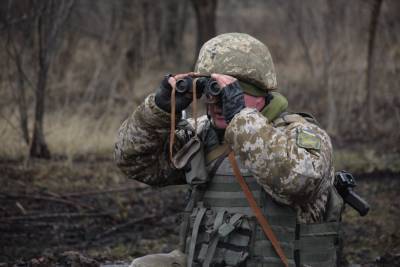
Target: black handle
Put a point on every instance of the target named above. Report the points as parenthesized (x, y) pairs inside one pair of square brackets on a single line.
[(356, 202)]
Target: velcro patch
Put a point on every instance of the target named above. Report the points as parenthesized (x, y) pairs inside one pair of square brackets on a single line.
[(308, 140)]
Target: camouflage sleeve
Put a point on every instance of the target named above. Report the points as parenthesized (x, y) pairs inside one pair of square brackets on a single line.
[(291, 174), (141, 151)]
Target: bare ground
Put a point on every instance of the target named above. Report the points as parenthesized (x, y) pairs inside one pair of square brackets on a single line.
[(48, 209)]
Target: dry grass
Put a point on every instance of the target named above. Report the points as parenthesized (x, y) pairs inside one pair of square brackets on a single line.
[(12, 144), (81, 134), (72, 136), (74, 126)]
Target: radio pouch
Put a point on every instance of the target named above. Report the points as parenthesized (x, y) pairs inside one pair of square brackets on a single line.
[(191, 158)]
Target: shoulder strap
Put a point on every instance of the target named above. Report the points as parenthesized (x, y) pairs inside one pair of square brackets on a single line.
[(192, 245), (173, 117), (288, 119), (309, 117), (218, 151), (256, 210), (218, 154)]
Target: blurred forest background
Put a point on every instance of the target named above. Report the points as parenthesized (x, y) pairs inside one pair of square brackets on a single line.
[(72, 70), (76, 69)]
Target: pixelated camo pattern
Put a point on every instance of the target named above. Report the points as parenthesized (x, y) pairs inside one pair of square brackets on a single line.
[(238, 55), (290, 174), (141, 150)]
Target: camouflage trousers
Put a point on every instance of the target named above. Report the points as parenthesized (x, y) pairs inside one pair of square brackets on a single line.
[(175, 258)]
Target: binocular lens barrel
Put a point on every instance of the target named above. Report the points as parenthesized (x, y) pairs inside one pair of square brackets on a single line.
[(213, 88), (205, 84), (184, 85)]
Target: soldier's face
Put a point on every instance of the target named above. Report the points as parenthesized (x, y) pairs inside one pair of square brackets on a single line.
[(215, 110)]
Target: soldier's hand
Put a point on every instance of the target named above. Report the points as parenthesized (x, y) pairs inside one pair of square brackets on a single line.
[(163, 94), (232, 95)]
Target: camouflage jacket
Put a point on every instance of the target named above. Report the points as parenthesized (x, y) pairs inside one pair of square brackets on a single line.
[(293, 171)]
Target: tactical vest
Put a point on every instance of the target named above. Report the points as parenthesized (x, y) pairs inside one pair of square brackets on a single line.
[(222, 230)]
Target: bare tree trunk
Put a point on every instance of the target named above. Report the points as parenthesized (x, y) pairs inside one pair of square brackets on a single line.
[(39, 147), (328, 58), (375, 12), (174, 22), (181, 29), (22, 105), (52, 15), (19, 92), (205, 11), (296, 17), (15, 51)]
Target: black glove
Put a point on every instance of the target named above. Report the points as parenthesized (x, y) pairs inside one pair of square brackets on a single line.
[(163, 97), (232, 100)]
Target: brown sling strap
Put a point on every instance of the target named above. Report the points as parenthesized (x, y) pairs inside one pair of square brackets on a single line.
[(172, 128), (173, 116), (256, 210), (249, 196)]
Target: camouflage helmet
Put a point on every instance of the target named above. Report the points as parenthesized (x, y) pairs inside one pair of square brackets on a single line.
[(239, 55)]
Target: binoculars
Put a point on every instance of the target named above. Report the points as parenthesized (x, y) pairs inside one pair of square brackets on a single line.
[(205, 85)]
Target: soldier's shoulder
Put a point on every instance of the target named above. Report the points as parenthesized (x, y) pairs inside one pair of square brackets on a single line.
[(300, 120), (302, 127)]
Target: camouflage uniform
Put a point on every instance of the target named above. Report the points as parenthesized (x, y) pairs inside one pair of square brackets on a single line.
[(292, 172)]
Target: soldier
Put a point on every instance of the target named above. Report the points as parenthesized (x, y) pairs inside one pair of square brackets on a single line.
[(285, 159)]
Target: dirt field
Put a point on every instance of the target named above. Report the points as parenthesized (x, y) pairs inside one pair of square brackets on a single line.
[(48, 209)]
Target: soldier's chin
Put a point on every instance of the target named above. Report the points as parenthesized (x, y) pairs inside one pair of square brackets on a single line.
[(220, 123)]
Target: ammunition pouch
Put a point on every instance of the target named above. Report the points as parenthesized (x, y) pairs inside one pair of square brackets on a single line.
[(218, 238)]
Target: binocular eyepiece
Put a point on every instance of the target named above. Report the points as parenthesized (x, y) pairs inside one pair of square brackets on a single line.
[(204, 85)]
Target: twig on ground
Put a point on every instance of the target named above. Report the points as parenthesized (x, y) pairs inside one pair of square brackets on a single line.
[(74, 204), (56, 215), (124, 225), (107, 191)]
